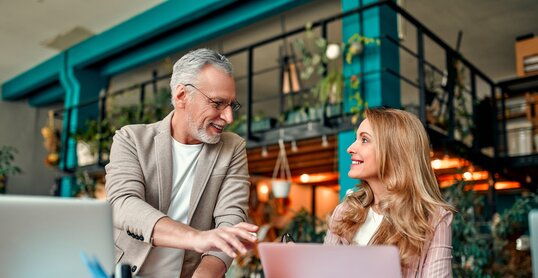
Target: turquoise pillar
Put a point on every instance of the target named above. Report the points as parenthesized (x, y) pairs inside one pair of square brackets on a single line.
[(82, 87), (66, 186), (378, 87)]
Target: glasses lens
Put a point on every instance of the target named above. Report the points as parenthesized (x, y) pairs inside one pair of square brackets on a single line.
[(235, 105)]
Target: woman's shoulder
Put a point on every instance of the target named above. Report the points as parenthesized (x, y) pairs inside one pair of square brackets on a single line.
[(442, 215)]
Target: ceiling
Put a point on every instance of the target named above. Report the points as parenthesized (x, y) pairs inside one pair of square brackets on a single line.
[(489, 27), (25, 26)]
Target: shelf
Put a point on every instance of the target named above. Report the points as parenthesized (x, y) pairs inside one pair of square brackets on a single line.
[(94, 170), (517, 115), (519, 85)]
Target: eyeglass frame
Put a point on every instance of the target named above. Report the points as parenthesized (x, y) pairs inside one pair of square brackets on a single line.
[(234, 104)]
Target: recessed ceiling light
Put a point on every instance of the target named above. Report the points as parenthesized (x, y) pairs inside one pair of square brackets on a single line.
[(67, 39)]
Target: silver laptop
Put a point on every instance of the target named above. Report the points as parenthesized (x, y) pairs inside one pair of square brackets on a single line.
[(320, 261), (45, 236)]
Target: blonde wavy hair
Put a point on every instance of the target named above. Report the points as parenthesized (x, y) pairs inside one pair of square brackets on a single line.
[(413, 199)]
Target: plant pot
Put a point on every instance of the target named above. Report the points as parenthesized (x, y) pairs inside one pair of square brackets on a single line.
[(315, 113), (3, 182), (280, 188), (536, 143), (84, 154), (332, 110)]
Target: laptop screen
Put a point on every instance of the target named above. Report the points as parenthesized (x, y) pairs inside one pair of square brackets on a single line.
[(44, 236), (316, 260)]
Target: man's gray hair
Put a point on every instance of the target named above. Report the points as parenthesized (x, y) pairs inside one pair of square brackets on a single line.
[(186, 69)]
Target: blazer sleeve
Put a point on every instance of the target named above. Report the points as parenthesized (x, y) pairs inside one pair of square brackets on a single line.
[(125, 188), (232, 201), (438, 261)]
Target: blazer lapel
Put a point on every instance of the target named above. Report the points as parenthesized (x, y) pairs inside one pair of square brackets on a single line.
[(163, 150), (206, 162)]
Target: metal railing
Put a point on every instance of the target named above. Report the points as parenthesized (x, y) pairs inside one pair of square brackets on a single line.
[(447, 96)]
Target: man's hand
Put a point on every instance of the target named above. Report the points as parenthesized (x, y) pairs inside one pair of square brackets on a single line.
[(226, 239)]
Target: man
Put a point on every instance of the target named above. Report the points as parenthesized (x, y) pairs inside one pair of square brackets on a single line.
[(179, 187)]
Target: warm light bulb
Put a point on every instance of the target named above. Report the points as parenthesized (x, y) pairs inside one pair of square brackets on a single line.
[(263, 192), (467, 175), (436, 164), (305, 178)]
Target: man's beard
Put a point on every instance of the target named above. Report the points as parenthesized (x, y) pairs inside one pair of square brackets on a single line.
[(201, 133)]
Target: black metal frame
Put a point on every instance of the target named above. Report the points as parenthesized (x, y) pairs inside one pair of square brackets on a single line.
[(336, 124)]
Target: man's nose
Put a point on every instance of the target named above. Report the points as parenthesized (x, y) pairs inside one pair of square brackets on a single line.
[(227, 115)]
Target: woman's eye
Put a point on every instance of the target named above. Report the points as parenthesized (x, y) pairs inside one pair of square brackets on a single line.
[(364, 140)]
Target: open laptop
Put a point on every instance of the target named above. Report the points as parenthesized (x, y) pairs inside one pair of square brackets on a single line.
[(533, 231), (44, 236), (316, 260)]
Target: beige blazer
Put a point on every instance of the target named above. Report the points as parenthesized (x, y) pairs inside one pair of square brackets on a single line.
[(139, 184)]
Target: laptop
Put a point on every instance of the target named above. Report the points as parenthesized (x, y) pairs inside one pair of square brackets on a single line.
[(45, 236), (533, 231), (320, 261)]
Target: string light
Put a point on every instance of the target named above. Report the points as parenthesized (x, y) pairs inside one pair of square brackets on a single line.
[(294, 146), (436, 164), (324, 141), (305, 178)]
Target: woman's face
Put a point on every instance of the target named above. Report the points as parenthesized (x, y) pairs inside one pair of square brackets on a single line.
[(363, 155)]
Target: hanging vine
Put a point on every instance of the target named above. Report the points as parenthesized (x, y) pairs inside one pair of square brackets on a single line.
[(320, 62)]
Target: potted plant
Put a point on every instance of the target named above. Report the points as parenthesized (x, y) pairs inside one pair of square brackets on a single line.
[(7, 167), (260, 122), (319, 60), (51, 140), (302, 229)]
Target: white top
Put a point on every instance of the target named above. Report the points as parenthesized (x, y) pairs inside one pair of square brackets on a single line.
[(368, 228), (167, 262)]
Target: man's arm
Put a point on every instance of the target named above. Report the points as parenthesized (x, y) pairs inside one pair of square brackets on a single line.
[(173, 234), (210, 266), (232, 202), (126, 186)]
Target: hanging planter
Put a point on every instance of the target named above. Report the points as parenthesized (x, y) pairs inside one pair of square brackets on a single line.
[(280, 187)]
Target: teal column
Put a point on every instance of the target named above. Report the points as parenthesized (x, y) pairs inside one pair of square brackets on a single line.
[(66, 186), (378, 87), (65, 153), (81, 87)]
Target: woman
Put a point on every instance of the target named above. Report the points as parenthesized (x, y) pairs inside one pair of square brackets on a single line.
[(399, 202)]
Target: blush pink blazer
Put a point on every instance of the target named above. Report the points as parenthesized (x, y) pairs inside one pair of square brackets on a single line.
[(435, 262)]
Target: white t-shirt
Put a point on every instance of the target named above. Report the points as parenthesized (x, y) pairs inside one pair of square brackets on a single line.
[(368, 228), (167, 262)]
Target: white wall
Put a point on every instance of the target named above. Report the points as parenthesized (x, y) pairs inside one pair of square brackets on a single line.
[(20, 126)]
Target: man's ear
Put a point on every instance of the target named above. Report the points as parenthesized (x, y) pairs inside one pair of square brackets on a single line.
[(180, 96)]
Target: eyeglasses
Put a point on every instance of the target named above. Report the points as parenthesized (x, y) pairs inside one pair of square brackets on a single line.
[(219, 105), (287, 238)]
